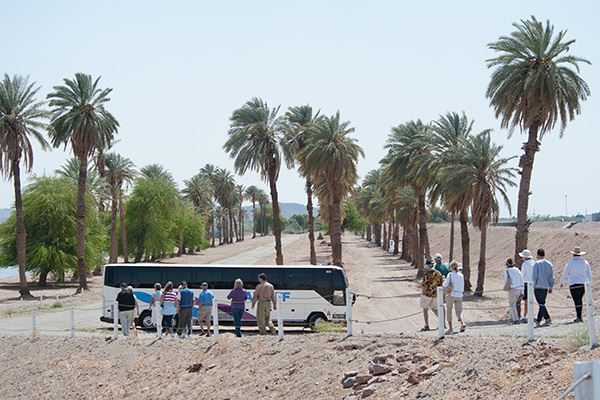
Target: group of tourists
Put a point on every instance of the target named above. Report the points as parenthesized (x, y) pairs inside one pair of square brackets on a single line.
[(453, 283), (178, 304), (538, 272)]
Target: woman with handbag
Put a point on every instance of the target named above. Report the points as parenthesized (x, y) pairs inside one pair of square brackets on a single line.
[(514, 285), (454, 287)]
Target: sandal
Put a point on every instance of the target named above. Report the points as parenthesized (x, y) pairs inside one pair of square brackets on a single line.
[(425, 328), (462, 328)]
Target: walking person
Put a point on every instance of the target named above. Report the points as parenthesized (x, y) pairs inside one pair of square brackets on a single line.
[(527, 273), (185, 307), (577, 273), (432, 279), (513, 284), (264, 296), (127, 305), (543, 282), (440, 266), (455, 288), (155, 299), (238, 304), (168, 301), (205, 302)]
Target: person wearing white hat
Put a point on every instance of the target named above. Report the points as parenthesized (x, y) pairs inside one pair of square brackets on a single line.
[(527, 272), (577, 273)]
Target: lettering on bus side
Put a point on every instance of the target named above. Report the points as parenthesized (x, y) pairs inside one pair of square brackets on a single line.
[(284, 295)]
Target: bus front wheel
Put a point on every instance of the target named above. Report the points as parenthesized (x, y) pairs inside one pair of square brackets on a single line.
[(144, 321), (316, 319)]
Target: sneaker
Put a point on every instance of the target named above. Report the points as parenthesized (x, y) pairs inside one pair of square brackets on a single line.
[(577, 320), (449, 332), (463, 328), (547, 322), (425, 328), (516, 322), (523, 320)]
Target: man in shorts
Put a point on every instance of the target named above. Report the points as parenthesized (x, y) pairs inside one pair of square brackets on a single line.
[(204, 302), (431, 280)]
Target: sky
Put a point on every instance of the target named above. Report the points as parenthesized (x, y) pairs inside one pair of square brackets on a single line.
[(178, 70)]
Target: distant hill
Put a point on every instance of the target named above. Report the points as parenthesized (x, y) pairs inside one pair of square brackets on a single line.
[(4, 214), (287, 209)]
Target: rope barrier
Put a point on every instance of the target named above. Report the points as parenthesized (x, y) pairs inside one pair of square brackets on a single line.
[(387, 320)]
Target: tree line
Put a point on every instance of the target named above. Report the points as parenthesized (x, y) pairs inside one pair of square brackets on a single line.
[(534, 84)]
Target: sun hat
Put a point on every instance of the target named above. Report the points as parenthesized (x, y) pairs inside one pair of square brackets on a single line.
[(438, 255), (577, 251), (526, 254)]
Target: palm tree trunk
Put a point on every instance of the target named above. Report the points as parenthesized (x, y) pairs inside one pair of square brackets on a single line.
[(235, 227), (311, 222), (526, 164), (377, 227), (415, 244), (465, 245), (405, 239), (123, 229), (451, 253), (481, 265), (212, 228), (276, 221), (396, 238), (43, 280), (224, 227), (230, 214), (423, 239), (335, 231), (384, 245), (80, 215), (114, 243), (253, 218), (369, 232), (21, 234)]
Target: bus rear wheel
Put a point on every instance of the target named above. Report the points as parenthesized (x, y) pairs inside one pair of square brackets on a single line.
[(144, 321), (316, 319)]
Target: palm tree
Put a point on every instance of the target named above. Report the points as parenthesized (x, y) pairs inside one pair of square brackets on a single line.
[(332, 156), (21, 118), (263, 201), (301, 126), (224, 187), (118, 169), (252, 193), (157, 171), (199, 191), (534, 84), (240, 195), (480, 168), (79, 118), (410, 161), (254, 142)]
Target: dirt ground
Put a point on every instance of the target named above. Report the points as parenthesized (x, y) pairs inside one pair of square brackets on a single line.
[(308, 366)]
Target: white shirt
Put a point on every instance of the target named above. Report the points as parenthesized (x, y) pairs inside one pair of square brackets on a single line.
[(458, 283), (577, 271), (516, 278), (527, 270)]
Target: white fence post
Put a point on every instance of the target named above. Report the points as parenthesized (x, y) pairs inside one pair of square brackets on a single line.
[(72, 321), (279, 319), (157, 319), (586, 380), (441, 314), (348, 312), (530, 311), (115, 313), (33, 324), (589, 302), (41, 300), (215, 315)]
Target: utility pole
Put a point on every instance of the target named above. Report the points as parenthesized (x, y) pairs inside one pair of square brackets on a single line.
[(566, 213)]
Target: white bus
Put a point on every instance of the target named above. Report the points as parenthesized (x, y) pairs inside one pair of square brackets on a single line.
[(310, 294)]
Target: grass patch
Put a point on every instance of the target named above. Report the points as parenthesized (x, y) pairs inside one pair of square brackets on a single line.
[(578, 338), (9, 313), (329, 327), (57, 304)]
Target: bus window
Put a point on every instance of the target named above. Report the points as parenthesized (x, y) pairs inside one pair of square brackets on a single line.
[(212, 276), (299, 279), (177, 275), (115, 275), (146, 277), (339, 281), (323, 278)]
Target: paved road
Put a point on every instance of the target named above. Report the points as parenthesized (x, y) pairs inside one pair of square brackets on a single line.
[(87, 318)]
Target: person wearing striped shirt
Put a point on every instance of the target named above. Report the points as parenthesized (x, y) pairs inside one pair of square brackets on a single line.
[(168, 302)]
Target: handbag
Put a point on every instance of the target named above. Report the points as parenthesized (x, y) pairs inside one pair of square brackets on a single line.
[(506, 287), (450, 287)]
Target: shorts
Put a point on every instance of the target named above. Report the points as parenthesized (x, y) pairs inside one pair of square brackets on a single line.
[(167, 321), (457, 303), (204, 313), (428, 302)]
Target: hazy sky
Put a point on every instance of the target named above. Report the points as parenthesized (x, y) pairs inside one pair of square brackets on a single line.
[(178, 69)]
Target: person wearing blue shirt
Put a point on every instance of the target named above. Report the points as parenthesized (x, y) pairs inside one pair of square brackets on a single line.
[(543, 281), (205, 302), (185, 306)]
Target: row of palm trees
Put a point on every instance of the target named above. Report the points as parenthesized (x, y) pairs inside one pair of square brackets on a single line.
[(261, 139), (439, 162), (535, 83)]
